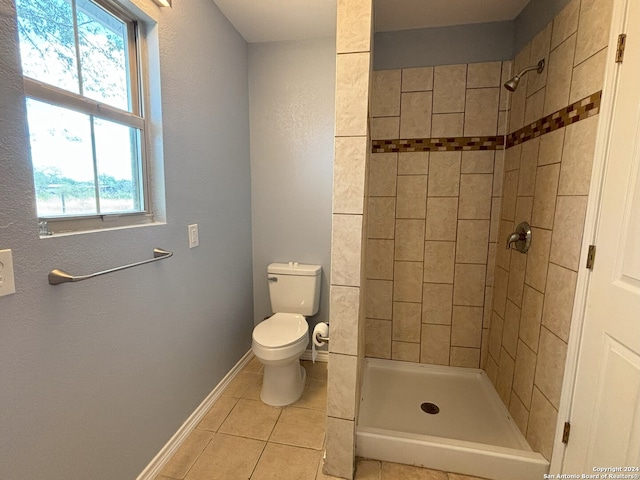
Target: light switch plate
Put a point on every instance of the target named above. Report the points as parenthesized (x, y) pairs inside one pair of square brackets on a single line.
[(193, 236), (7, 282)]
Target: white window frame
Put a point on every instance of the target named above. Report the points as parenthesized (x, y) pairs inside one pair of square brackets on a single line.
[(139, 81)]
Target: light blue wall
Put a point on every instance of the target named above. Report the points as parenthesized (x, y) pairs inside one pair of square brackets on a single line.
[(95, 377), (482, 42), (291, 86)]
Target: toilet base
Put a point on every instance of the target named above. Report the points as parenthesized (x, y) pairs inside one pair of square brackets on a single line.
[(283, 384)]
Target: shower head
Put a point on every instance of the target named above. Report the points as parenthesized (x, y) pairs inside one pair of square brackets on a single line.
[(512, 83)]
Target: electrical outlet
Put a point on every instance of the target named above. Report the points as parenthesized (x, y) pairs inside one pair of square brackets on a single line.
[(7, 283), (193, 236)]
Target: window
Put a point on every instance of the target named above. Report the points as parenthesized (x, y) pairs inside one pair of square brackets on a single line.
[(85, 112)]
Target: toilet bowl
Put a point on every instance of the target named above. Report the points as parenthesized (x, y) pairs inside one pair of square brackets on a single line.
[(278, 342)]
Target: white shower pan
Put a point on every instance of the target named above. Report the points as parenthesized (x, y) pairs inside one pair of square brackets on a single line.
[(472, 433)]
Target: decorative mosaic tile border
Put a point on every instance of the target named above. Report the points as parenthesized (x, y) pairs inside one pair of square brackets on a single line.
[(580, 110), (449, 144)]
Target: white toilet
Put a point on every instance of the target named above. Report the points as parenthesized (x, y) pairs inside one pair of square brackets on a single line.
[(280, 340)]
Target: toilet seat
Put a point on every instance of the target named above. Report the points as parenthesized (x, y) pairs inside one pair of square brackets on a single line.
[(280, 330)]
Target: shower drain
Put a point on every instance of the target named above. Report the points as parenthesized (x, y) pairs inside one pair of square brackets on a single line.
[(431, 408)]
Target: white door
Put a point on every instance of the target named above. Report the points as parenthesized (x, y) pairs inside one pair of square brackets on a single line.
[(605, 410)]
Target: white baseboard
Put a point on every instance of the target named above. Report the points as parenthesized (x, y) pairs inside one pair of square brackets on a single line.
[(323, 356), (155, 466)]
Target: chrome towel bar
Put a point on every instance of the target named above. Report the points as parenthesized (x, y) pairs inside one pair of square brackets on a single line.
[(57, 276)]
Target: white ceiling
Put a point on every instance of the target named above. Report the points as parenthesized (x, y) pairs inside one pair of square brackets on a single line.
[(279, 20)]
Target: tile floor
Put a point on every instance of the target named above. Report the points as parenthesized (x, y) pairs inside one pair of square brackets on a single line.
[(242, 438)]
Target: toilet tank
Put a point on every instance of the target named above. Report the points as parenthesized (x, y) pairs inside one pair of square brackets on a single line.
[(294, 287)]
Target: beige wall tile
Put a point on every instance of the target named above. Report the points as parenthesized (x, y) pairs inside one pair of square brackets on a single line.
[(466, 327), (491, 263), (481, 111), (558, 302), (407, 282), (341, 386), (566, 23), (528, 166), (496, 206), (495, 336), (468, 285), (534, 106), (473, 239), (487, 311), (475, 196), (516, 276), (409, 242), (348, 174), (435, 344), (538, 259), (449, 84), (544, 200), (531, 317), (412, 196), (379, 299), (354, 24), (444, 174), (378, 338), (559, 78), (524, 373), (498, 173), (485, 74), (465, 357), (413, 163), (550, 367), (415, 121), (542, 424), (381, 218), (588, 77), (344, 315), (383, 168), (551, 147), (379, 259), (510, 193), (577, 157), (524, 207), (385, 93), (501, 278), (503, 122), (407, 318), (477, 161), (417, 79), (512, 158), (385, 128), (442, 218), (492, 371), (506, 366), (568, 226), (503, 255), (227, 456), (345, 250), (340, 447), (511, 328), (540, 46), (439, 261), (437, 301), (518, 98), (505, 95), (447, 125), (593, 28), (405, 352), (519, 413), (352, 94)]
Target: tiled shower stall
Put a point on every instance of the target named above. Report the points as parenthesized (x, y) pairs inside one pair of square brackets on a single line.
[(451, 164)]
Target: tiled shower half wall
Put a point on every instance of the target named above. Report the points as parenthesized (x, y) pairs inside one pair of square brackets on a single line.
[(433, 210)]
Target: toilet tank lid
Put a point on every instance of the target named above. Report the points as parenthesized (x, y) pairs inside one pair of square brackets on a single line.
[(294, 268)]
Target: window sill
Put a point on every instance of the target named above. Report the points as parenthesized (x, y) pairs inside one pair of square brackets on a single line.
[(61, 228)]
